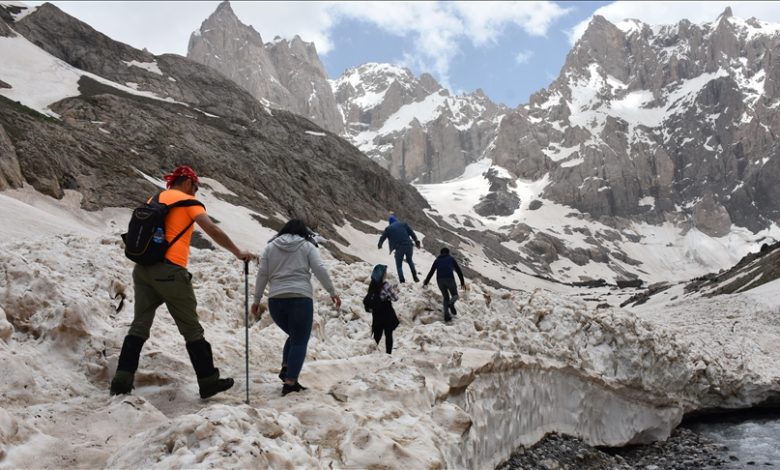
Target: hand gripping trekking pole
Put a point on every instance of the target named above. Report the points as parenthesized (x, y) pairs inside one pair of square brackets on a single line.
[(246, 324)]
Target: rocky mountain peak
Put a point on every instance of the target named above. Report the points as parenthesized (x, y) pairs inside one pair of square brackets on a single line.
[(662, 123), (280, 74), (725, 15), (224, 18), (411, 125)]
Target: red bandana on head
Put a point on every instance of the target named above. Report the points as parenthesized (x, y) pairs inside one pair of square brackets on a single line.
[(183, 170)]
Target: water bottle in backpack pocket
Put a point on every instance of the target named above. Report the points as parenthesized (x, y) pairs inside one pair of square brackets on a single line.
[(159, 235), (145, 241)]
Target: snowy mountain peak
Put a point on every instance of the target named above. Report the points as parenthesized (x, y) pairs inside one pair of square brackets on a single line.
[(654, 124), (411, 125)]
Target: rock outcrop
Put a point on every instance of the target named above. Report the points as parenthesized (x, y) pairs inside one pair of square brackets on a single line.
[(283, 74), (646, 121), (413, 126)]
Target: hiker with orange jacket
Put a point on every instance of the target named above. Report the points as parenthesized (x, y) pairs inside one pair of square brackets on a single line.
[(169, 282)]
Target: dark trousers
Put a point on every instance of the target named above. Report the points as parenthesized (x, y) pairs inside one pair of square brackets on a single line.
[(294, 316), (169, 284), (402, 252), (388, 338), (449, 293)]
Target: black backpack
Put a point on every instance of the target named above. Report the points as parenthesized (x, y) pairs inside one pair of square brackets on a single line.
[(145, 241)]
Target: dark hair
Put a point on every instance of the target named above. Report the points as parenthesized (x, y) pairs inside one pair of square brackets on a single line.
[(296, 227), (444, 251), (179, 180)]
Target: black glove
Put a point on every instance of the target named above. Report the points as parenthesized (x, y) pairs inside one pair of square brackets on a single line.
[(417, 243)]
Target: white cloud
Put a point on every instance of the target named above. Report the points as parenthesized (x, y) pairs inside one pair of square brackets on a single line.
[(438, 28), (673, 12), (523, 57), (162, 27), (165, 26), (485, 21)]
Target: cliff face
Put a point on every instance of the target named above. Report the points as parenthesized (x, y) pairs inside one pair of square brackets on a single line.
[(412, 126), (282, 74), (649, 122)]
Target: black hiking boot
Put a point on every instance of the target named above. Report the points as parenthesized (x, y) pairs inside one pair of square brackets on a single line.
[(296, 387), (452, 310), (447, 318), (208, 376), (283, 373), (122, 383), (210, 386)]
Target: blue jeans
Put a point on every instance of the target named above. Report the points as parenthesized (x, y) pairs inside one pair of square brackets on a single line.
[(402, 252), (294, 316)]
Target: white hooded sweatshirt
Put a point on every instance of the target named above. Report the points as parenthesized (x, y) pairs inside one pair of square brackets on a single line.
[(286, 266)]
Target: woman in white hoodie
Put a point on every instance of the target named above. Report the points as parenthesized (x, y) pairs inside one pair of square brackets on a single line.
[(285, 267)]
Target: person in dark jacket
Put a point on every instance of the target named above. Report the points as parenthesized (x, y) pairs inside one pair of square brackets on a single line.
[(381, 295), (399, 237), (445, 266)]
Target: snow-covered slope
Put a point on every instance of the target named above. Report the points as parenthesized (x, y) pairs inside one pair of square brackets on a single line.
[(581, 248), (37, 79), (511, 367)]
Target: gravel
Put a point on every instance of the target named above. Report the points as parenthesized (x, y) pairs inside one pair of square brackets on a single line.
[(684, 450)]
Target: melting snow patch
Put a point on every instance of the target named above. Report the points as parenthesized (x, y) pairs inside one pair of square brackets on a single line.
[(26, 9), (647, 201), (148, 66), (572, 163), (206, 114), (318, 134)]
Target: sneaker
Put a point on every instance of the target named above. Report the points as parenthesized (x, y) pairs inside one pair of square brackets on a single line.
[(296, 387), (283, 373)]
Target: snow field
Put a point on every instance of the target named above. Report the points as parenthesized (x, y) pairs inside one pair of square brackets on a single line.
[(500, 369)]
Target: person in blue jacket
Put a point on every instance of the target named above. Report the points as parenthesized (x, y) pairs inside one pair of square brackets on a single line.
[(445, 266), (399, 237)]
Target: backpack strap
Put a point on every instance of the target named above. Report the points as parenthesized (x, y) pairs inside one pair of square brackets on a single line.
[(183, 203)]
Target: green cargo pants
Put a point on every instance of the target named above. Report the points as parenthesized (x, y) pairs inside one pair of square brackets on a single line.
[(170, 284)]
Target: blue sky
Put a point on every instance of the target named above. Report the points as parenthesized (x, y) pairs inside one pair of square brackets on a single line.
[(494, 67), (509, 49)]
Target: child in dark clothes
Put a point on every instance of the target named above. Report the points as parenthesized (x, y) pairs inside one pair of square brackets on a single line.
[(446, 267), (380, 298)]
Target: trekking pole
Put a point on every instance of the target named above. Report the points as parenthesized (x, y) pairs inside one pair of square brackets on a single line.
[(246, 324)]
